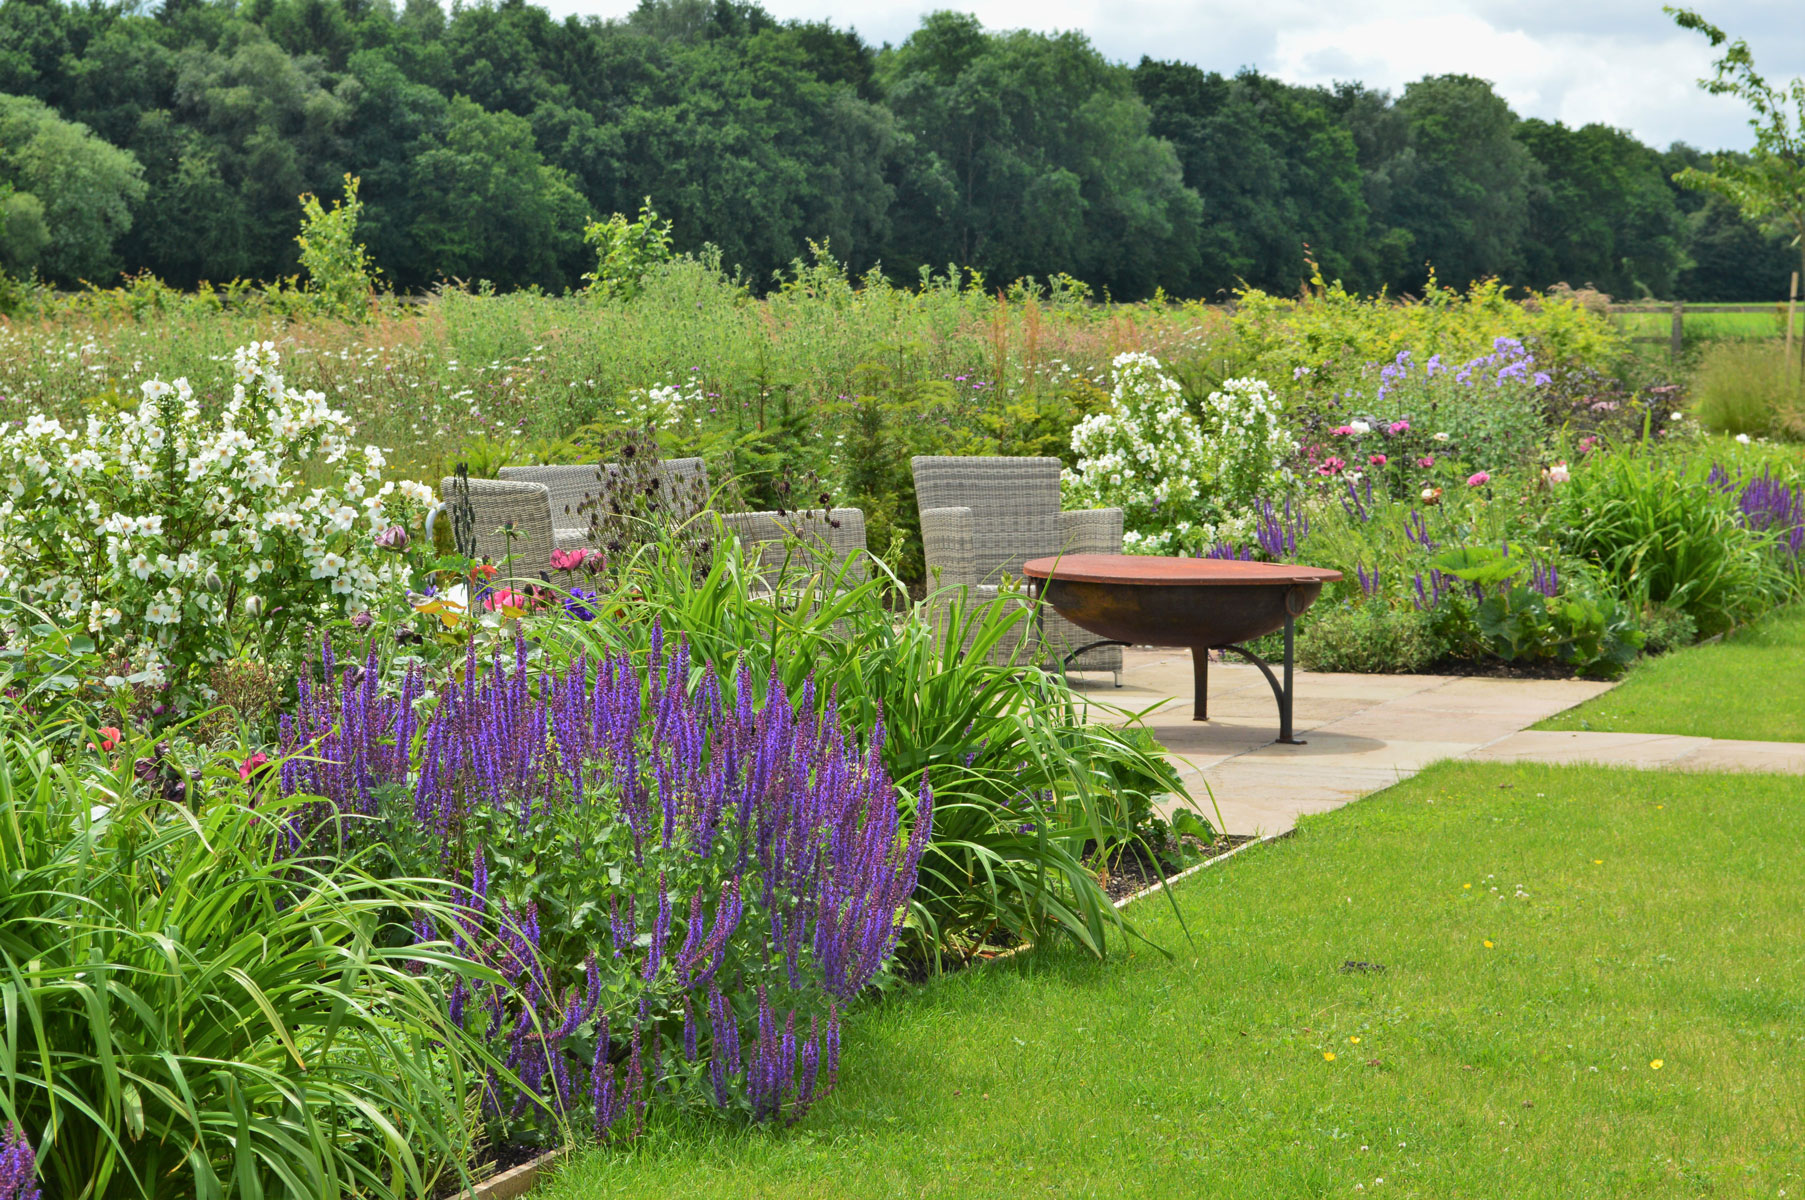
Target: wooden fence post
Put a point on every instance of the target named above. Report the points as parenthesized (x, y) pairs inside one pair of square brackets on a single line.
[(1676, 341), (1792, 304)]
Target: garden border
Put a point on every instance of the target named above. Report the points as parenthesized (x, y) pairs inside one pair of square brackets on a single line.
[(1189, 871), (514, 1182), (519, 1180)]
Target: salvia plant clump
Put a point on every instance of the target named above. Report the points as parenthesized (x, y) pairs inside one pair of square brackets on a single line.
[(18, 1165), (682, 883)]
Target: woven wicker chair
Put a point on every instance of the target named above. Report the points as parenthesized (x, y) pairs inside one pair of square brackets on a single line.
[(510, 520), (765, 534), (570, 486), (983, 517)]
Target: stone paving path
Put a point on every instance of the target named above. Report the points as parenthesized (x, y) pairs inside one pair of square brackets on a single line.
[(1367, 732)]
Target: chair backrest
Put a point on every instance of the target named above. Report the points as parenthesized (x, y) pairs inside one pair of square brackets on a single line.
[(1014, 505), (511, 520), (569, 486), (840, 530)]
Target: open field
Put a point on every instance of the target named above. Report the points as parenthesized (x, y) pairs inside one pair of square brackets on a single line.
[(1749, 685), (1703, 323), (1589, 989)]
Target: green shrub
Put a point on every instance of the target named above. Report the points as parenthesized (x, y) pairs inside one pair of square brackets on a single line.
[(1661, 534), (340, 275), (1328, 335), (189, 1013), (1373, 638), (1666, 628), (1748, 387), (626, 252)]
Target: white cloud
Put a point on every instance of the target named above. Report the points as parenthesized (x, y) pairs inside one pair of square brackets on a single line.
[(1619, 62)]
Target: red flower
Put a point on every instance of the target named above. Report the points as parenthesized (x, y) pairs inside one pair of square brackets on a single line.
[(1377, 460), (251, 765), (1330, 466)]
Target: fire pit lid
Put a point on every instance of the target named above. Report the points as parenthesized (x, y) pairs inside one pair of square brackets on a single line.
[(1149, 571)]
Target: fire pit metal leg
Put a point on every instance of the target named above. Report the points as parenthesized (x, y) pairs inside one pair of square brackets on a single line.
[(1200, 683), (1281, 693)]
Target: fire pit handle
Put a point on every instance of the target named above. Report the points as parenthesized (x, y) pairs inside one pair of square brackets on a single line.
[(1292, 607)]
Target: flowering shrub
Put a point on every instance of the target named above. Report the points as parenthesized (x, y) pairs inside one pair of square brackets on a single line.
[(1179, 489), (687, 885), (178, 539)]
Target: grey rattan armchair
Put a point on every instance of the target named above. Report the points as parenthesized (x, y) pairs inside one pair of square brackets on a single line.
[(983, 517), (840, 530), (570, 486), (507, 520)]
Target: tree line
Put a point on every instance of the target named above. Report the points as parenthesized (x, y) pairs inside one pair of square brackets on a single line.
[(177, 141)]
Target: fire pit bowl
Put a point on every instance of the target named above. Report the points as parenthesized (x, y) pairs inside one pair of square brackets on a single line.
[(1202, 603)]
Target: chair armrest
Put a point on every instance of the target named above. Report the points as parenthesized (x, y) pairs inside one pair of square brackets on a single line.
[(946, 547), (570, 539), (1091, 531), (432, 517)]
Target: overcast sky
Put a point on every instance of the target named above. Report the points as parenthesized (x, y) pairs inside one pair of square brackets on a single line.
[(1622, 62)]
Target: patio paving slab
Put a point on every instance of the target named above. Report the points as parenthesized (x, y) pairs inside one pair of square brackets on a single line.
[(1362, 733)]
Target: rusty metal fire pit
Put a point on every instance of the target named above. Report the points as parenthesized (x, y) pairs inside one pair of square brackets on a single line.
[(1204, 603)]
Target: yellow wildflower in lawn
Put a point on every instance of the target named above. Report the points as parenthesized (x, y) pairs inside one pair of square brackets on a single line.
[(1328, 1056), (1655, 1065), (1466, 885), (1355, 1039), (1488, 945)]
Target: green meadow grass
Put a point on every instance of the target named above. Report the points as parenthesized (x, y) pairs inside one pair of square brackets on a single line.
[(1591, 988), (1702, 324), (1750, 685)]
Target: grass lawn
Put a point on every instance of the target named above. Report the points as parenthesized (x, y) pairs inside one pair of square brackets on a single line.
[(1593, 987), (1750, 685)]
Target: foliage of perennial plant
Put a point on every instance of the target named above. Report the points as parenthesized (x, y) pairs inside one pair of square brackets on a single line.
[(1181, 487), (691, 877), (178, 538), (191, 1012)]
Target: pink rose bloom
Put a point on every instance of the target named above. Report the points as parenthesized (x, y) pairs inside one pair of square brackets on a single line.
[(1426, 461), (1377, 460), (1330, 466), (1586, 444), (1397, 427), (568, 560), (1478, 479), (1343, 431)]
